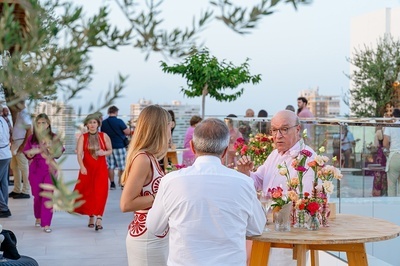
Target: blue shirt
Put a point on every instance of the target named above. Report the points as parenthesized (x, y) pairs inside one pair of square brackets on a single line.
[(114, 128)]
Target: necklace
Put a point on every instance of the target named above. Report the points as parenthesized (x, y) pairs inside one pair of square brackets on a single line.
[(92, 133)]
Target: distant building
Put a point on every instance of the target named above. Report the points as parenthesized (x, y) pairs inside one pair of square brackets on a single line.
[(322, 105), (183, 113), (62, 117)]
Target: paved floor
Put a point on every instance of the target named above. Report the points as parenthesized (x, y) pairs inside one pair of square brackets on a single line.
[(71, 242)]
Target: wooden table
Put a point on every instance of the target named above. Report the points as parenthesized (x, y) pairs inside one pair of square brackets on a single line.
[(347, 233)]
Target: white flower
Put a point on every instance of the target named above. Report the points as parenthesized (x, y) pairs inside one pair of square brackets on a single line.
[(322, 149), (337, 174), (283, 171), (328, 186), (320, 160), (305, 133)]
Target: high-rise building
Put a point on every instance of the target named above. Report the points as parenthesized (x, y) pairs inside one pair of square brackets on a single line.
[(322, 105), (62, 117), (183, 113)]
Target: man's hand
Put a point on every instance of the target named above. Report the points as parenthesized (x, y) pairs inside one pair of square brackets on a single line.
[(245, 165)]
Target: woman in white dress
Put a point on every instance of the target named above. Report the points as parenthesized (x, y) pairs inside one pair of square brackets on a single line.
[(141, 179)]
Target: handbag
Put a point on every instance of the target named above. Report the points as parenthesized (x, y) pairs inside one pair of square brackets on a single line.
[(124, 140)]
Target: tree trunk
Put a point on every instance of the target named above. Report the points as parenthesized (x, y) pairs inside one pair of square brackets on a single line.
[(203, 100)]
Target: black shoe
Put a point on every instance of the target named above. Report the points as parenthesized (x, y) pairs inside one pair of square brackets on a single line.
[(112, 186), (22, 196), (5, 214), (12, 194)]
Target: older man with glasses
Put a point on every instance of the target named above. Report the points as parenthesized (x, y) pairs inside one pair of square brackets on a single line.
[(285, 130)]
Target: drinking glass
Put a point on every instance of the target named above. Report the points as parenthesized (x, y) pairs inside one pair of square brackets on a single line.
[(266, 201)]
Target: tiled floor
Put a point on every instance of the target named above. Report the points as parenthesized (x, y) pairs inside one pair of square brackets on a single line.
[(71, 242)]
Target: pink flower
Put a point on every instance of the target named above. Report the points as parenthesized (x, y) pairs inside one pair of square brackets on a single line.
[(306, 153), (301, 169)]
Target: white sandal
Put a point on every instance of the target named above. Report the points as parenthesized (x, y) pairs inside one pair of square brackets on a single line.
[(47, 230)]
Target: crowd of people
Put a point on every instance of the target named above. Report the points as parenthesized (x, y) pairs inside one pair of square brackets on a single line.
[(183, 217)]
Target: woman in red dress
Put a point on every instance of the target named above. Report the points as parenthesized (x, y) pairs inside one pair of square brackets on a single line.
[(92, 149)]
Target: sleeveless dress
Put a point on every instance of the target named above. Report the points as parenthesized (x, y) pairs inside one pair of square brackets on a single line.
[(146, 249), (94, 186)]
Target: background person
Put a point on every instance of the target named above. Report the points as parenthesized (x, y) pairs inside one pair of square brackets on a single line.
[(245, 126), (93, 147), (188, 156), (290, 108), (206, 226), (5, 159), (262, 126), (229, 159), (117, 130), (391, 141), (347, 144), (141, 180), (19, 163), (41, 148), (302, 110)]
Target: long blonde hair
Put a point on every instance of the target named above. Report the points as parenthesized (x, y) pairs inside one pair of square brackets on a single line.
[(151, 135)]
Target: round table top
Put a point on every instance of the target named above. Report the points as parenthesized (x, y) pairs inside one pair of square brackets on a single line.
[(344, 229)]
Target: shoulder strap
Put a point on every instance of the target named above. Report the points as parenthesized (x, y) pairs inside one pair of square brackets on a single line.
[(108, 122)]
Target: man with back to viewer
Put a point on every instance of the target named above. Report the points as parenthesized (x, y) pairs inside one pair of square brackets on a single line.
[(206, 226), (117, 130), (285, 130)]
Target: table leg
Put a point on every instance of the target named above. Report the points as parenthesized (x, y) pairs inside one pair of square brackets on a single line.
[(260, 253), (301, 251), (314, 258), (357, 256)]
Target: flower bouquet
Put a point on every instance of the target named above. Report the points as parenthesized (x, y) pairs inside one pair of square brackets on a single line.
[(282, 208), (258, 148), (311, 206), (325, 173)]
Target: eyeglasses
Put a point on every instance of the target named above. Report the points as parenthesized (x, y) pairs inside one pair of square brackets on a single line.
[(283, 130)]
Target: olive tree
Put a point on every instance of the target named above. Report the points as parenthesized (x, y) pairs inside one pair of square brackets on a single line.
[(206, 76), (377, 70)]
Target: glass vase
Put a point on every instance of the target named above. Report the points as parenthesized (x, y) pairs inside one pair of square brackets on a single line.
[(325, 214), (313, 223), (301, 219), (282, 218), (293, 217)]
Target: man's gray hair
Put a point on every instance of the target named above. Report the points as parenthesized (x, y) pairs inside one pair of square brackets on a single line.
[(211, 136)]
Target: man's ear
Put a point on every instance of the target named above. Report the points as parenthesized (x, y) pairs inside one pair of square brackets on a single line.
[(225, 152), (192, 147)]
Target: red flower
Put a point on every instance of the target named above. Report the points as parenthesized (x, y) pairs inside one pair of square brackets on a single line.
[(302, 206), (312, 207), (306, 194)]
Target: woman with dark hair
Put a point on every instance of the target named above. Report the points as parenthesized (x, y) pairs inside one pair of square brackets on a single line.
[(92, 148), (41, 148)]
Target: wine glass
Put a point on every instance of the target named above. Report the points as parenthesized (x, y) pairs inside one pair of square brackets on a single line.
[(266, 202)]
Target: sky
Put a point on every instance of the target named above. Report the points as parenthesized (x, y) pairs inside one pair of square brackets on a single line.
[(292, 49)]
